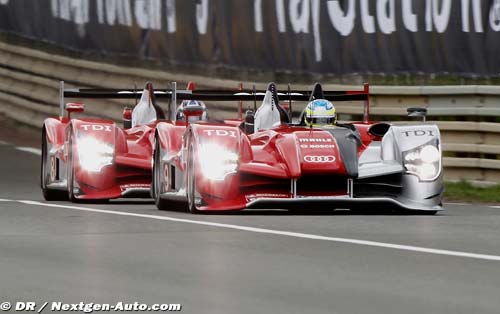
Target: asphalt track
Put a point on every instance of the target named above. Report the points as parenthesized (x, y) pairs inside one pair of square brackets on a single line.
[(255, 262)]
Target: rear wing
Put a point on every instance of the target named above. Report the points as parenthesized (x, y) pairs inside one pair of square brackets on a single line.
[(172, 95)]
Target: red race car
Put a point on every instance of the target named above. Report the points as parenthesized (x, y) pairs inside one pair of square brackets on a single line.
[(95, 159), (267, 161)]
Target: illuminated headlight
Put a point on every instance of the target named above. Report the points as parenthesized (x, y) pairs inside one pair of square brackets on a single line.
[(424, 161), (216, 161), (94, 155)]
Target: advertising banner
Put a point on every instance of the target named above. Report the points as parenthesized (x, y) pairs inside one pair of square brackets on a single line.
[(333, 37)]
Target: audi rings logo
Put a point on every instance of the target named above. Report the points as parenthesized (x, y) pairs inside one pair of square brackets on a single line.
[(319, 159)]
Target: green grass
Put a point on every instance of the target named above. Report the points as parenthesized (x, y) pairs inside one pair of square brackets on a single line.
[(464, 191)]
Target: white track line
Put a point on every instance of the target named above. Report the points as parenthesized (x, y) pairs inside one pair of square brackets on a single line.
[(276, 232), (32, 150)]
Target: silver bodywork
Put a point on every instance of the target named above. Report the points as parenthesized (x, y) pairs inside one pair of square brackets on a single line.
[(383, 158)]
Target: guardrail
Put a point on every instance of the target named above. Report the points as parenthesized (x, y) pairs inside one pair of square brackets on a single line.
[(468, 116)]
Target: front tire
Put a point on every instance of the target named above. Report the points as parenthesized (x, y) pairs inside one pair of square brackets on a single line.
[(71, 170), (48, 194), (193, 197), (158, 179)]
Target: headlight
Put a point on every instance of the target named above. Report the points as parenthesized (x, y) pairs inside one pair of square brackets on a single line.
[(216, 161), (93, 154), (424, 161)]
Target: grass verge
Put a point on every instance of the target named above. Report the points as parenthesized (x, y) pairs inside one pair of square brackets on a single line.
[(464, 191)]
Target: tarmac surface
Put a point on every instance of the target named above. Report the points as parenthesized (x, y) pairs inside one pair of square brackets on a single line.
[(252, 262)]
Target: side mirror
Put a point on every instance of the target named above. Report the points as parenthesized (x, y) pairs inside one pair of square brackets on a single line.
[(417, 112), (379, 129), (249, 121), (74, 107), (127, 118)]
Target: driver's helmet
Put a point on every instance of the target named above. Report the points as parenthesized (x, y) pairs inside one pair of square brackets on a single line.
[(320, 112), (179, 116)]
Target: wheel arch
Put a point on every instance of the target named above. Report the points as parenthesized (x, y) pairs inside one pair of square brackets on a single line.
[(54, 130)]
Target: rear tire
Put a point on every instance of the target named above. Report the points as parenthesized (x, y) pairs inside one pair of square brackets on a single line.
[(48, 194)]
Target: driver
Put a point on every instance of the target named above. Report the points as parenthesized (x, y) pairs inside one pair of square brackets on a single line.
[(319, 113), (179, 116)]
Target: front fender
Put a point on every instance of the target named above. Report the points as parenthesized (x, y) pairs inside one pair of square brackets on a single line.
[(83, 132), (54, 130), (405, 138), (222, 138), (103, 131), (170, 138)]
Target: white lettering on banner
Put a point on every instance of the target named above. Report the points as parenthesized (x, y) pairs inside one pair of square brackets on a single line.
[(299, 15), (76, 11), (367, 20), (96, 127), (115, 10), (409, 18), (317, 39), (433, 16), (386, 15), (257, 13), (280, 16), (495, 16), (478, 17), (148, 14), (202, 16), (343, 23), (100, 11), (220, 133), (171, 13), (465, 16)]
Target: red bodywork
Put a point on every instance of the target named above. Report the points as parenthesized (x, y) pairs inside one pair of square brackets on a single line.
[(268, 161), (130, 169)]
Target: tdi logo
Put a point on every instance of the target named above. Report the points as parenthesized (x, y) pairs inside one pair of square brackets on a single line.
[(319, 159), (96, 127), (419, 133), (220, 133)]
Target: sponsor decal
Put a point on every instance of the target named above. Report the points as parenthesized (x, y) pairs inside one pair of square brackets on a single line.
[(317, 146), (418, 133), (96, 127), (220, 133), (319, 159), (321, 140)]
